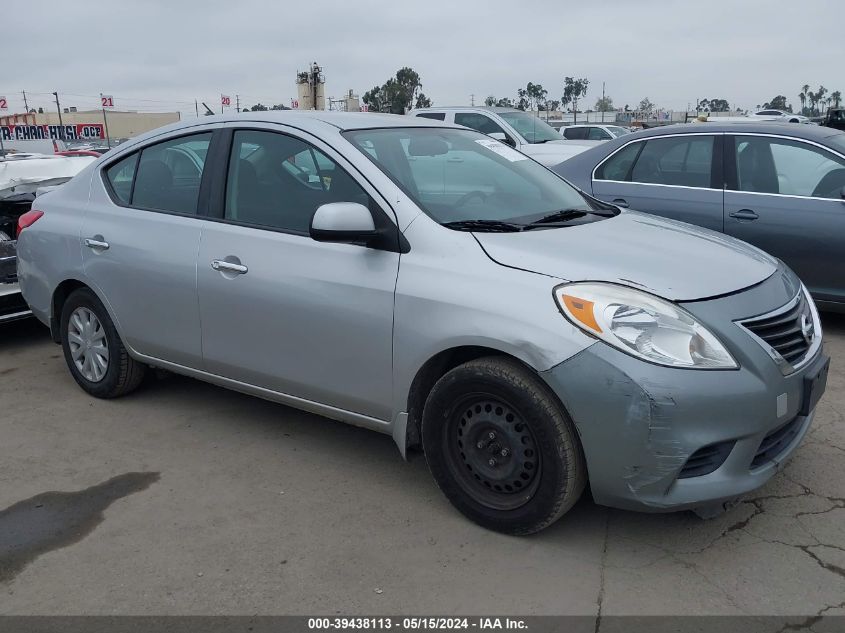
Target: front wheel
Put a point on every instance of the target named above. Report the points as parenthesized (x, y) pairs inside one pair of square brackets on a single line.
[(501, 447), (94, 353)]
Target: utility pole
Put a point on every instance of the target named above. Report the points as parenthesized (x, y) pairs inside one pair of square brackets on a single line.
[(25, 104), (602, 102), (472, 100), (237, 103), (197, 107), (105, 122), (59, 110)]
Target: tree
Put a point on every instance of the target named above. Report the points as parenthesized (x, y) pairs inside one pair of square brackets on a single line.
[(552, 105), (819, 97), (574, 89), (398, 94), (523, 102), (647, 107), (535, 95), (714, 105), (778, 103), (805, 90), (836, 98), (258, 107), (279, 106), (494, 102), (802, 96), (604, 104)]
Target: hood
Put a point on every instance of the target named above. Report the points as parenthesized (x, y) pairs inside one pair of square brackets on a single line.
[(553, 152), (670, 259)]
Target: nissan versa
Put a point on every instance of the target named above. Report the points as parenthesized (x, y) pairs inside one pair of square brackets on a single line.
[(437, 285)]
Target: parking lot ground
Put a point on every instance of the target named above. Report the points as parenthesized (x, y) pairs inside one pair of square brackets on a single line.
[(241, 506)]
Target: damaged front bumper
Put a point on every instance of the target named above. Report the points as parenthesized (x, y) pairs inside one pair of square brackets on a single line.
[(660, 439), (12, 304)]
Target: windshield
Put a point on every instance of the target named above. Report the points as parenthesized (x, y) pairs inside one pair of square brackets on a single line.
[(617, 131), (461, 175), (531, 128)]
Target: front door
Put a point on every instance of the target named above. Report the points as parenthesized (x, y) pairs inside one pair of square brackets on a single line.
[(785, 197), (284, 312)]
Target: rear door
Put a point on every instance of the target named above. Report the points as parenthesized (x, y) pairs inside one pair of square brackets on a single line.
[(279, 310), (140, 234), (676, 176), (784, 196)]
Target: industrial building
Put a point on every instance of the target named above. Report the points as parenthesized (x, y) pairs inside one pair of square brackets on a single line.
[(83, 124)]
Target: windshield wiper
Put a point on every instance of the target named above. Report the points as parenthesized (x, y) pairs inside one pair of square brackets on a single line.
[(491, 226), (559, 216)]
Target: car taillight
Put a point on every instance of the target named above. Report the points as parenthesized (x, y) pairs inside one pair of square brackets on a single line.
[(28, 219)]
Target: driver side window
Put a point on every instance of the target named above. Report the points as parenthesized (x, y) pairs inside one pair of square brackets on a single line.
[(479, 122), (278, 181)]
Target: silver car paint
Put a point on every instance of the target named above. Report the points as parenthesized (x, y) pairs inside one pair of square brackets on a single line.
[(356, 307)]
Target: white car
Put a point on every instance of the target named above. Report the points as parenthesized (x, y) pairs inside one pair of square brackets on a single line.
[(521, 130), (780, 115), (593, 131)]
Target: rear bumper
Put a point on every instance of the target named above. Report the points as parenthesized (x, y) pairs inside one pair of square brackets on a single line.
[(12, 304)]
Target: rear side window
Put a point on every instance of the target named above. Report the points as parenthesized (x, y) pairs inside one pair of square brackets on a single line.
[(575, 132), (483, 124), (169, 174), (618, 166), (598, 134), (437, 116), (120, 176), (680, 160)]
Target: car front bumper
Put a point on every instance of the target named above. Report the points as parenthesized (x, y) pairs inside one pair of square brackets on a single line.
[(12, 304), (643, 426)]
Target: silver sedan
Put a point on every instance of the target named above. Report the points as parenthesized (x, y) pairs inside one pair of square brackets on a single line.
[(432, 283)]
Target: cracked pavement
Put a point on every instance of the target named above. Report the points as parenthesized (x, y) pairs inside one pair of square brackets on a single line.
[(261, 509)]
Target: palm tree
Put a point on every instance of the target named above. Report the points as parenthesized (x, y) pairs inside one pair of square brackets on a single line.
[(805, 90), (836, 97), (820, 93), (802, 96)]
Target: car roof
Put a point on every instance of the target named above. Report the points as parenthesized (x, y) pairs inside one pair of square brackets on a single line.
[(811, 132), (467, 108)]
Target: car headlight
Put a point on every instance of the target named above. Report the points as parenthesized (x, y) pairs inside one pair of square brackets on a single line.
[(642, 325)]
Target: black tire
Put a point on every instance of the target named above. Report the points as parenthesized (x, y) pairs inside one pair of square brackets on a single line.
[(122, 373), (538, 480)]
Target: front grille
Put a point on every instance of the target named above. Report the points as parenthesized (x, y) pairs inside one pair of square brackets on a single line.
[(706, 460), (776, 442), (785, 331)]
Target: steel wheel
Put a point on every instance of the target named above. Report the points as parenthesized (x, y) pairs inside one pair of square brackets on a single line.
[(88, 344), (492, 452)]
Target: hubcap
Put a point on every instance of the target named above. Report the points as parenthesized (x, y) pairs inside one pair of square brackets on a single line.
[(493, 452), (89, 347)]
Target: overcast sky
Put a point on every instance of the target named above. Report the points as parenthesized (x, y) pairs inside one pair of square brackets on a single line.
[(161, 55)]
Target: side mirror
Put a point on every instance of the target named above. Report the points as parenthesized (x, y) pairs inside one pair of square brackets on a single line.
[(345, 222), (501, 136)]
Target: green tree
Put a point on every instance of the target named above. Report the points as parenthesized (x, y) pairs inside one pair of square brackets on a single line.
[(805, 90), (604, 104), (258, 107), (574, 89), (647, 107), (536, 95), (523, 102), (778, 103), (279, 106), (398, 94), (802, 97), (836, 98)]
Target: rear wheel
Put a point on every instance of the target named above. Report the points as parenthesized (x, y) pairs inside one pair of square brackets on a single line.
[(500, 446), (94, 353)]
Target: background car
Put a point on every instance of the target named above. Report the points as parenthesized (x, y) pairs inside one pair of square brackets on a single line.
[(521, 130), (835, 118), (779, 187), (780, 115), (593, 132)]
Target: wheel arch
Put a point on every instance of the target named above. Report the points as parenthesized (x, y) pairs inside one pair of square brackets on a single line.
[(428, 374), (60, 296)]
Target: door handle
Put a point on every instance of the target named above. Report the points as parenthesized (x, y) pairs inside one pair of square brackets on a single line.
[(92, 243), (621, 202), (744, 214), (229, 267), (455, 159)]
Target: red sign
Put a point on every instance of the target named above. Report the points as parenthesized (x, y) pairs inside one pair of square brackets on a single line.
[(107, 101), (4, 105), (294, 104), (225, 100), (55, 132)]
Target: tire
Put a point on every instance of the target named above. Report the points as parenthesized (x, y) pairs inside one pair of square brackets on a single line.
[(501, 447), (86, 329)]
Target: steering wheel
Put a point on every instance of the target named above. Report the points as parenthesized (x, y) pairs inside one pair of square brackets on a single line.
[(469, 196)]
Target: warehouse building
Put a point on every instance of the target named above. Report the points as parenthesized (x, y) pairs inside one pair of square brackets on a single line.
[(83, 124)]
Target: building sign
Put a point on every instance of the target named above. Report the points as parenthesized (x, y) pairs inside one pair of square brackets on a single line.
[(39, 132)]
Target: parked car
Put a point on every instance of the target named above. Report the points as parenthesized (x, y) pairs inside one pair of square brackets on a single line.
[(521, 130), (777, 186), (780, 115), (835, 118), (593, 132), (434, 284)]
